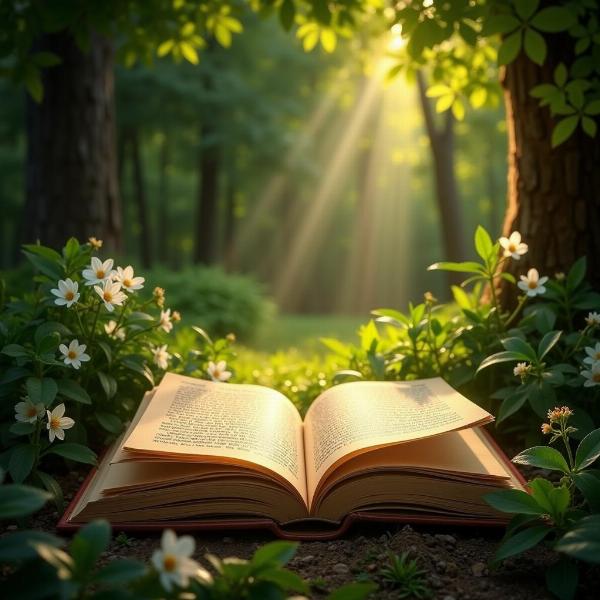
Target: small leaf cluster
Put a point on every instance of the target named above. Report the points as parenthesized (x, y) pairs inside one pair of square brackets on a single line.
[(41, 565), (564, 515), (404, 573)]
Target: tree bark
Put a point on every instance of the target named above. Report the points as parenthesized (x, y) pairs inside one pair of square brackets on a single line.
[(71, 171), (553, 198), (441, 140), (229, 249), (163, 203)]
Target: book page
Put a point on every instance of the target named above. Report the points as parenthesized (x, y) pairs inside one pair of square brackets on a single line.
[(355, 417), (192, 417)]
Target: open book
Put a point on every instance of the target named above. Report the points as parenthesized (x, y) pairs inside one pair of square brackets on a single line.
[(198, 451)]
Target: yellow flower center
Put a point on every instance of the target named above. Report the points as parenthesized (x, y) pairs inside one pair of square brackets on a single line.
[(100, 274), (55, 423), (532, 285), (127, 283), (69, 295), (31, 411), (512, 247), (169, 563), (72, 354), (107, 296)]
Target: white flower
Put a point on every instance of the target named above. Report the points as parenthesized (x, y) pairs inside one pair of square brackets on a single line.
[(218, 371), (28, 412), (173, 561), (57, 423), (75, 354), (111, 294), (521, 369), (98, 271), (111, 329), (593, 354), (593, 319), (161, 356), (165, 320), (592, 376), (127, 280), (66, 293), (513, 246), (533, 284)]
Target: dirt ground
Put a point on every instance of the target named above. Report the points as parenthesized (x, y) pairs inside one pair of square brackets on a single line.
[(455, 559)]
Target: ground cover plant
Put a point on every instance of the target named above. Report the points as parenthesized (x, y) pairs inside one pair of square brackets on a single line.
[(79, 351)]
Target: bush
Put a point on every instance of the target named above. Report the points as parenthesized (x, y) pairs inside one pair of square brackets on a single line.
[(221, 302)]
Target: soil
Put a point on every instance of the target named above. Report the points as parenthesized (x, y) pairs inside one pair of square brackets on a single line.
[(455, 560)]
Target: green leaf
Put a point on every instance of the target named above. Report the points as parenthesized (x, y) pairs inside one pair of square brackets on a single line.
[(274, 553), (87, 546), (535, 46), (190, 53), (583, 541), (53, 488), (514, 501), (120, 571), (543, 457), (589, 126), (71, 249), (108, 383), (562, 578), (286, 580), (554, 500), (21, 462), (500, 357), (519, 346), (22, 428), (18, 501), (563, 129), (501, 24), (287, 14), (512, 404), (353, 591), (73, 451), (42, 390), (548, 342), (522, 541), (483, 243), (110, 422), (19, 546), (589, 485), (69, 388), (15, 351), (525, 8), (592, 108), (553, 19), (460, 267), (588, 450), (510, 48), (576, 274), (560, 75), (337, 347)]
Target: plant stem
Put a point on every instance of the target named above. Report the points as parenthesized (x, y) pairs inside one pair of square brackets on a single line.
[(565, 439), (93, 332), (520, 305)]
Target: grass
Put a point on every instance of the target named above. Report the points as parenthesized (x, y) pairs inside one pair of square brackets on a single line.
[(303, 332)]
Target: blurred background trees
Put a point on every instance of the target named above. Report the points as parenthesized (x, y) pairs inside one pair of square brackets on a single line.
[(324, 174)]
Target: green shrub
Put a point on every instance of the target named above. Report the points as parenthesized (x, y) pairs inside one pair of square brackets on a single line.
[(221, 303)]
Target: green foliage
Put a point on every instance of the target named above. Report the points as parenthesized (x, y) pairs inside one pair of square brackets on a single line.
[(221, 302), (404, 574)]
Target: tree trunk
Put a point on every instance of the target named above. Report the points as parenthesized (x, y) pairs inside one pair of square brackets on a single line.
[(441, 140), (139, 191), (163, 229), (71, 171), (229, 250), (553, 198)]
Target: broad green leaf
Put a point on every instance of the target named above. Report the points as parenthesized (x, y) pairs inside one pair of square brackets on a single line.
[(15, 351), (21, 462), (336, 346), (22, 428), (109, 421), (592, 108), (514, 501), (460, 267), (519, 346), (286, 580), (69, 388), (576, 274), (563, 129), (42, 390), (547, 343), (18, 501), (328, 39), (589, 485), (553, 499), (120, 571), (583, 541), (190, 53), (588, 450), (526, 8), (589, 126), (108, 383), (73, 451), (510, 48), (553, 19), (535, 46), (89, 543), (287, 14), (501, 24), (562, 578), (18, 546), (274, 553), (483, 243), (353, 591), (53, 488), (560, 75), (511, 405), (543, 457), (522, 541), (437, 90), (500, 357)]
